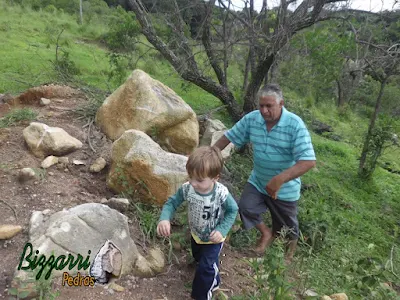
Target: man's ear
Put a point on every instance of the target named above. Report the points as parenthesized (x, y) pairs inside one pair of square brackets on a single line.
[(282, 103)]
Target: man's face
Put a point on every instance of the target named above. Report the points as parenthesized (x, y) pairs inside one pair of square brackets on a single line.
[(269, 109)]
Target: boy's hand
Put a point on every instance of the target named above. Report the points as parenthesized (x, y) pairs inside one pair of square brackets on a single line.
[(216, 237), (164, 228)]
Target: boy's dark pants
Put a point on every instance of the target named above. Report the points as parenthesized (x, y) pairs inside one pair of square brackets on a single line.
[(207, 272)]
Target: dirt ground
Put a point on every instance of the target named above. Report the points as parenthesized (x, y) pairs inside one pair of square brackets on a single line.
[(65, 186)]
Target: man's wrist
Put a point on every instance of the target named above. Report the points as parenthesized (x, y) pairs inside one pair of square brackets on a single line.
[(283, 177)]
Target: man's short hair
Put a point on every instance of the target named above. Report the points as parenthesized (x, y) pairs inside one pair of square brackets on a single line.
[(205, 161), (271, 89)]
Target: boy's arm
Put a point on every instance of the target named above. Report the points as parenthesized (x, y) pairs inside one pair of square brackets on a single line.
[(231, 210), (171, 205)]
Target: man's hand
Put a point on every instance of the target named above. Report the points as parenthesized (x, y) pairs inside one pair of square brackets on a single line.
[(216, 237), (164, 228), (274, 185)]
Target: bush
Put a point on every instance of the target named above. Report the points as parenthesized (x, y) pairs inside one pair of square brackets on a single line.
[(123, 32), (65, 67), (50, 9)]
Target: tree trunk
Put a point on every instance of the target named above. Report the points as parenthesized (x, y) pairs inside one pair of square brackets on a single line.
[(262, 45), (221, 92), (370, 128), (341, 98), (250, 101), (80, 11), (246, 73)]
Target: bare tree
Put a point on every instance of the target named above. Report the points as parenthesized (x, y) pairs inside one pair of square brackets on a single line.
[(382, 62), (246, 30)]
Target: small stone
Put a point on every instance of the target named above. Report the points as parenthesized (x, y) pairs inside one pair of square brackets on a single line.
[(50, 173), (339, 296), (98, 165), (49, 161), (116, 287), (63, 160), (78, 162), (120, 204), (8, 231), (176, 245), (26, 174), (310, 293), (44, 101), (66, 170)]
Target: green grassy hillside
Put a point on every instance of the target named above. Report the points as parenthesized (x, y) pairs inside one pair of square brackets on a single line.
[(28, 49)]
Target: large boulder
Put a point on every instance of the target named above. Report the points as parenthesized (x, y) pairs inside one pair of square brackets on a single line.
[(44, 140), (80, 229), (140, 167), (96, 232), (146, 104)]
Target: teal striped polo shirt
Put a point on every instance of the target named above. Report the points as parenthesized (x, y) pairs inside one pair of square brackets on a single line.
[(273, 152)]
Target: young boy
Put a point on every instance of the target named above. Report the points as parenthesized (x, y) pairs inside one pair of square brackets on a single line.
[(212, 212)]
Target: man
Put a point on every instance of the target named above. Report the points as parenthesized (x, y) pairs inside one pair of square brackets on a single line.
[(282, 152)]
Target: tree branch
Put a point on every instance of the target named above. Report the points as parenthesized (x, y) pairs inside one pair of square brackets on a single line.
[(206, 39)]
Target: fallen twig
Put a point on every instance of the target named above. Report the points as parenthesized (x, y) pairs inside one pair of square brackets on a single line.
[(90, 143), (15, 213), (87, 124), (169, 269)]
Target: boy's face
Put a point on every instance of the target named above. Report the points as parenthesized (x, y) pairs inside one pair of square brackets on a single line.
[(202, 185)]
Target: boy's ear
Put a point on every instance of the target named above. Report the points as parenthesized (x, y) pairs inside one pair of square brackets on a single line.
[(216, 178)]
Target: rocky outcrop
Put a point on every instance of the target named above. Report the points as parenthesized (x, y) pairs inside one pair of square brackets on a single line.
[(140, 167), (214, 129), (82, 230), (94, 236), (145, 104)]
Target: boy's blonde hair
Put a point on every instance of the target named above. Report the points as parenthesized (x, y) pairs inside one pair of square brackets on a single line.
[(205, 161)]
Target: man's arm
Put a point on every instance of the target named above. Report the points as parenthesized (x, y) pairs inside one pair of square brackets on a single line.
[(300, 168), (222, 142)]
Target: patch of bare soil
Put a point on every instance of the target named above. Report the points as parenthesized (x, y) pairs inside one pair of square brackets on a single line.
[(65, 186)]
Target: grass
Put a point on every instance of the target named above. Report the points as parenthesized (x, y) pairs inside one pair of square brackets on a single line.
[(28, 50), (17, 115), (343, 219)]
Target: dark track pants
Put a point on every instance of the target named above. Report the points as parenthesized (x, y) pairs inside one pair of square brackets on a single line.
[(207, 271)]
